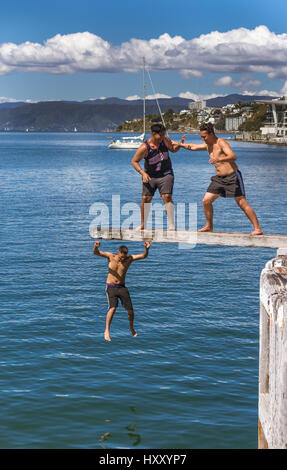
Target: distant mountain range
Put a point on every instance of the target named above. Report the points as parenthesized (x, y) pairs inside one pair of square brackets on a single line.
[(14, 104), (94, 115)]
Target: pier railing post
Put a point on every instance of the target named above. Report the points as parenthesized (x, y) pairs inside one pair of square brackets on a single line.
[(272, 419)]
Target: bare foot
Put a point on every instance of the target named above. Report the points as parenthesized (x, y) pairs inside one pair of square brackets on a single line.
[(206, 228), (171, 227), (257, 231), (107, 336), (133, 332), (140, 227)]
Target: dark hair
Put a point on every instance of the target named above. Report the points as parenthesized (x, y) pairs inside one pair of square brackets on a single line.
[(157, 127), (123, 249), (208, 127)]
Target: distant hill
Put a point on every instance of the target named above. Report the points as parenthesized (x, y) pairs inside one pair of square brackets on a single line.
[(60, 116), (175, 103), (52, 116), (93, 115), (220, 101), (13, 104)]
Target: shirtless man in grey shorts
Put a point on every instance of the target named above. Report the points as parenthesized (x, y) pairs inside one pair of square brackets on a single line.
[(118, 264), (157, 173), (228, 180)]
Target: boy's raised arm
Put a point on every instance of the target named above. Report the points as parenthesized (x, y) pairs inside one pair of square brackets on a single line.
[(190, 146), (104, 254), (144, 254)]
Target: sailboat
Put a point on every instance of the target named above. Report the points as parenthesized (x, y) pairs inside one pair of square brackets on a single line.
[(127, 142), (135, 141)]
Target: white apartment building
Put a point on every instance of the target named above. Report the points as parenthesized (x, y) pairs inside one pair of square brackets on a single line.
[(233, 123), (197, 105), (276, 120)]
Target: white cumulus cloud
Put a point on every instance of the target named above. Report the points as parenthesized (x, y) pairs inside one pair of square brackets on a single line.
[(3, 99), (240, 51), (197, 97), (246, 86), (240, 84), (148, 97), (157, 95), (275, 94), (190, 73), (224, 81), (133, 98)]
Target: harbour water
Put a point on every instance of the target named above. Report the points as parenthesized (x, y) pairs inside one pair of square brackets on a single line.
[(190, 378)]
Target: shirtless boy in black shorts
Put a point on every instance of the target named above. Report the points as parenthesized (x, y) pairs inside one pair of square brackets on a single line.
[(228, 180), (118, 265)]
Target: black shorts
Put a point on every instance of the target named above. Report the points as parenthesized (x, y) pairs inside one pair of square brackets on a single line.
[(114, 293), (227, 186), (163, 184)]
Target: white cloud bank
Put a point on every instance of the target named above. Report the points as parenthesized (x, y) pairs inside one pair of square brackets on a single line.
[(3, 99), (228, 81), (196, 97), (236, 51), (148, 97), (133, 97), (246, 86)]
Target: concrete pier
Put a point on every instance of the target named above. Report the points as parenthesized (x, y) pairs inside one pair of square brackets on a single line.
[(272, 412), (185, 236)]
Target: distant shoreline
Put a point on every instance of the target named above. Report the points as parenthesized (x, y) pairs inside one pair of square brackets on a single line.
[(282, 144), (111, 131), (195, 131)]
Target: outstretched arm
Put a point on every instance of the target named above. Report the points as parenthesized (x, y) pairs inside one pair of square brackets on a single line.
[(104, 254), (192, 146), (144, 254)]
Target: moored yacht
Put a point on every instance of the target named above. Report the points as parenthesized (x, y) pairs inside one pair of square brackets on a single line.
[(127, 142), (132, 142)]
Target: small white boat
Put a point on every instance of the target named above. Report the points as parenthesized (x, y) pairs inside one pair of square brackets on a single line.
[(132, 142), (127, 142)]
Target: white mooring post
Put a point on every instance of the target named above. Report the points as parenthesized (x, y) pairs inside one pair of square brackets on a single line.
[(272, 412)]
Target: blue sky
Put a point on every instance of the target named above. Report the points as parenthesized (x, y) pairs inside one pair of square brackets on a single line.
[(89, 49)]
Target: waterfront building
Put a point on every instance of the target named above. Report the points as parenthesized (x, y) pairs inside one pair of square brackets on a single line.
[(276, 119), (197, 105), (233, 123)]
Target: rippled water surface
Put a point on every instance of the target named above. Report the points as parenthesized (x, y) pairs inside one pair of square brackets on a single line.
[(190, 379)]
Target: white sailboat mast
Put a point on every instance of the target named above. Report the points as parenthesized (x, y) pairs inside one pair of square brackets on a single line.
[(144, 93), (161, 115)]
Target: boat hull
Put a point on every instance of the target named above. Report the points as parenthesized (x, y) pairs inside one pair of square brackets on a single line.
[(124, 145)]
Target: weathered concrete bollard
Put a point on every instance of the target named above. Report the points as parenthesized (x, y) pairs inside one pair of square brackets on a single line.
[(272, 422)]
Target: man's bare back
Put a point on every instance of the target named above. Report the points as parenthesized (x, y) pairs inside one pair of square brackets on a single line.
[(118, 264), (118, 269)]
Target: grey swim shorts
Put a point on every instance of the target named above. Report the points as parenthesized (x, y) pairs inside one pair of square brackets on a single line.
[(164, 185), (227, 186)]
